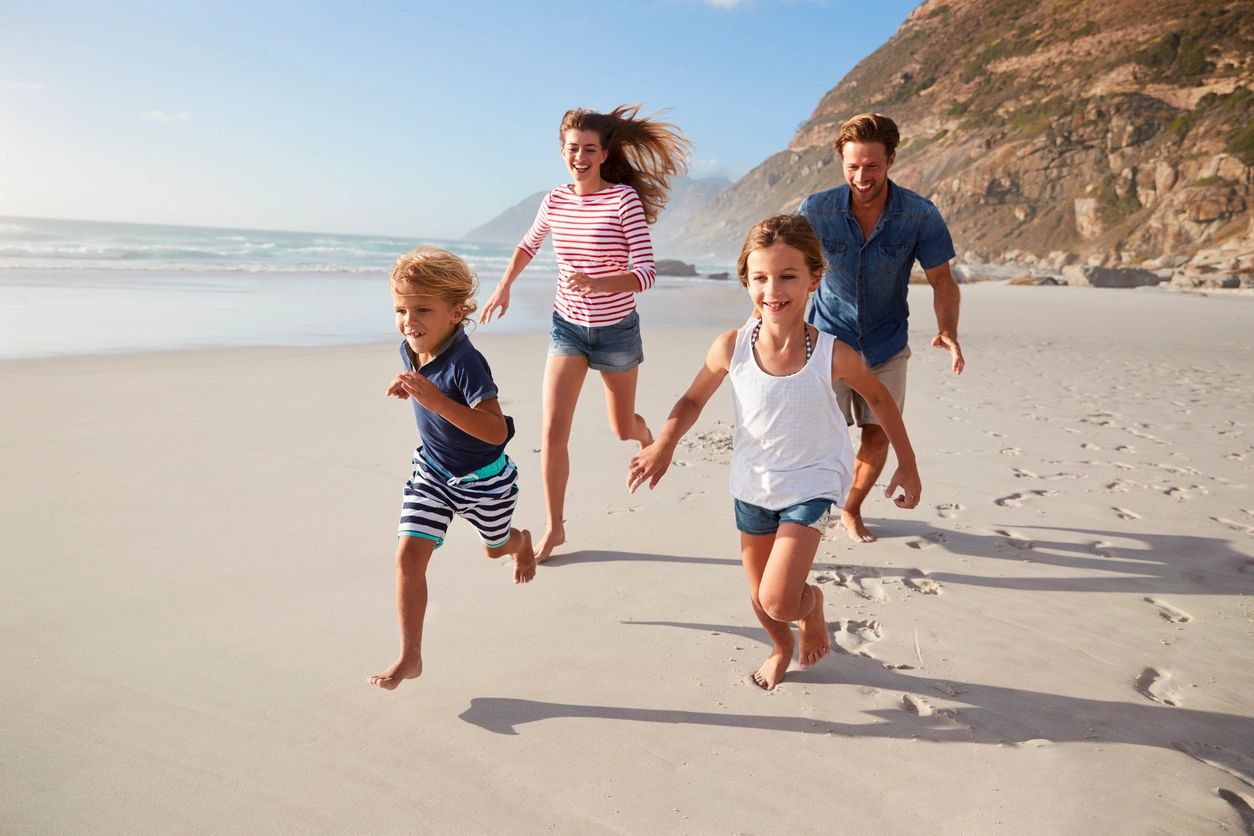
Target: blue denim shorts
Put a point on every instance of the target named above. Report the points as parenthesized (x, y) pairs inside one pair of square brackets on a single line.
[(609, 348), (754, 519)]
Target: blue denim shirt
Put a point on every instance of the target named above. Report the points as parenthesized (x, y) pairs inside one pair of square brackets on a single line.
[(862, 298)]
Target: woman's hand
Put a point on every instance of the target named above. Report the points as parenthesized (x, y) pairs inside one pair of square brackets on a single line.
[(580, 283), (499, 300)]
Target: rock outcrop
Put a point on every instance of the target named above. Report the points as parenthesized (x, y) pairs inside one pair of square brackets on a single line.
[(1107, 134)]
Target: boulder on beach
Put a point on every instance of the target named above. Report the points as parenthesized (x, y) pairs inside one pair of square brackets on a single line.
[(674, 267)]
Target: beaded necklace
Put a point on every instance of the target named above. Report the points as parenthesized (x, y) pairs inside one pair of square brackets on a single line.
[(809, 347)]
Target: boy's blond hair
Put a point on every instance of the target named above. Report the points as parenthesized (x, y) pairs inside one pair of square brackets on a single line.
[(436, 272)]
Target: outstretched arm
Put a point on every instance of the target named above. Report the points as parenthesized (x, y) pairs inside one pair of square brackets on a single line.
[(945, 299), (847, 365), (651, 463), (498, 302)]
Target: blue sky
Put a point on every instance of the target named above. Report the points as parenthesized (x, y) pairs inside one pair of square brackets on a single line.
[(386, 118)]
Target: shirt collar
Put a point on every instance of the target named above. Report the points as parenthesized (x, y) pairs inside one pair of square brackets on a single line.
[(459, 334)]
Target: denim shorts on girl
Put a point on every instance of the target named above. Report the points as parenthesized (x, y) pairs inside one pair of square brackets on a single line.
[(485, 499), (754, 519), (609, 348)]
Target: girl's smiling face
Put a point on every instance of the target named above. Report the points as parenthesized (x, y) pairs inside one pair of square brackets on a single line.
[(584, 155), (779, 282), (426, 321)]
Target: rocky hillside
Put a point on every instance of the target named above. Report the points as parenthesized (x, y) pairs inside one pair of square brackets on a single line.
[(1071, 131), (689, 195)]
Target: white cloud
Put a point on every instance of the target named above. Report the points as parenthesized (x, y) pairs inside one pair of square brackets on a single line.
[(167, 118), (33, 86), (726, 4), (710, 168)]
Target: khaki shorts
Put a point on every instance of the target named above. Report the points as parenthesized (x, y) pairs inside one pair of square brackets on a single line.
[(892, 373)]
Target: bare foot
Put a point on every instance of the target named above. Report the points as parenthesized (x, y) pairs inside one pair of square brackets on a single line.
[(648, 437), (524, 560), (552, 538), (815, 643), (405, 668), (773, 669), (856, 528)]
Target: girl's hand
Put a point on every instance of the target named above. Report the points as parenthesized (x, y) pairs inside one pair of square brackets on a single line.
[(580, 283), (498, 300), (397, 390), (650, 464), (906, 478)]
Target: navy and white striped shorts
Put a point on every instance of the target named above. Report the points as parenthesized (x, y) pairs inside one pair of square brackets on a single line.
[(432, 496)]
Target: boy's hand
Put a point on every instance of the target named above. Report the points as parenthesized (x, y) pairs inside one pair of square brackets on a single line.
[(906, 478), (397, 390), (420, 389), (651, 463)]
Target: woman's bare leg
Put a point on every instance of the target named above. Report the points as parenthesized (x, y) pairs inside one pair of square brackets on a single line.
[(563, 380)]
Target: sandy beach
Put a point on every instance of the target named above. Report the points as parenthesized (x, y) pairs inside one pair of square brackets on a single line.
[(197, 551)]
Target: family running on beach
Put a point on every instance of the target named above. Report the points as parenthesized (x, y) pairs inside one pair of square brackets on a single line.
[(801, 373)]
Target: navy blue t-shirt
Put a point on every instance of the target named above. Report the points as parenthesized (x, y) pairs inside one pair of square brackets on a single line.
[(462, 373)]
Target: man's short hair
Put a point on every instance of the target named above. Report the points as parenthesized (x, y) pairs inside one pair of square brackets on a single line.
[(868, 127)]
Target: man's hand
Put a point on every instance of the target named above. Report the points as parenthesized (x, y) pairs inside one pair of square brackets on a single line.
[(950, 344)]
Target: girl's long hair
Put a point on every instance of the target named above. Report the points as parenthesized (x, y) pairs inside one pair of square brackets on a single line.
[(643, 153)]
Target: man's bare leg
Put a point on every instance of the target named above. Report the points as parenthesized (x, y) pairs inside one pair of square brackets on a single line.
[(867, 467), (412, 556)]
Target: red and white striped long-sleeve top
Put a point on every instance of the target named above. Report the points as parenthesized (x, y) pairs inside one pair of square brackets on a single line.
[(596, 234)]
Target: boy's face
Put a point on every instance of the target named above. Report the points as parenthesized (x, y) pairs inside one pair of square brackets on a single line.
[(425, 321)]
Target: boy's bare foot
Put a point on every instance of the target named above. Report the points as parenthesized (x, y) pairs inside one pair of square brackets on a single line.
[(406, 667), (773, 669), (855, 528), (524, 560), (815, 643), (552, 538)]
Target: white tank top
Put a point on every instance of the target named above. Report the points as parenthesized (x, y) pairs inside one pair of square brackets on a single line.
[(791, 443)]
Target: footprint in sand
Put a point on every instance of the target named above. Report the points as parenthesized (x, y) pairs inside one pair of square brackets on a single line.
[(1235, 764), (1169, 612), (1015, 539), (1242, 803), (1015, 500), (1159, 686), (1124, 513), (918, 580), (691, 494), (917, 705), (948, 510), (927, 542), (1088, 445), (1011, 451), (854, 637), (863, 581), (1234, 525), (1020, 473)]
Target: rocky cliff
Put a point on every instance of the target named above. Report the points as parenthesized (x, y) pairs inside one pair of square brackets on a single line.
[(1072, 131)]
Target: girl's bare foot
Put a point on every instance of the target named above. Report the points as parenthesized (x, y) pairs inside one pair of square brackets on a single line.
[(855, 528), (773, 669), (406, 667), (524, 560), (552, 538), (815, 643)]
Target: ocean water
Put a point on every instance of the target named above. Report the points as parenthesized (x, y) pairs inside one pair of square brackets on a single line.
[(78, 287)]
